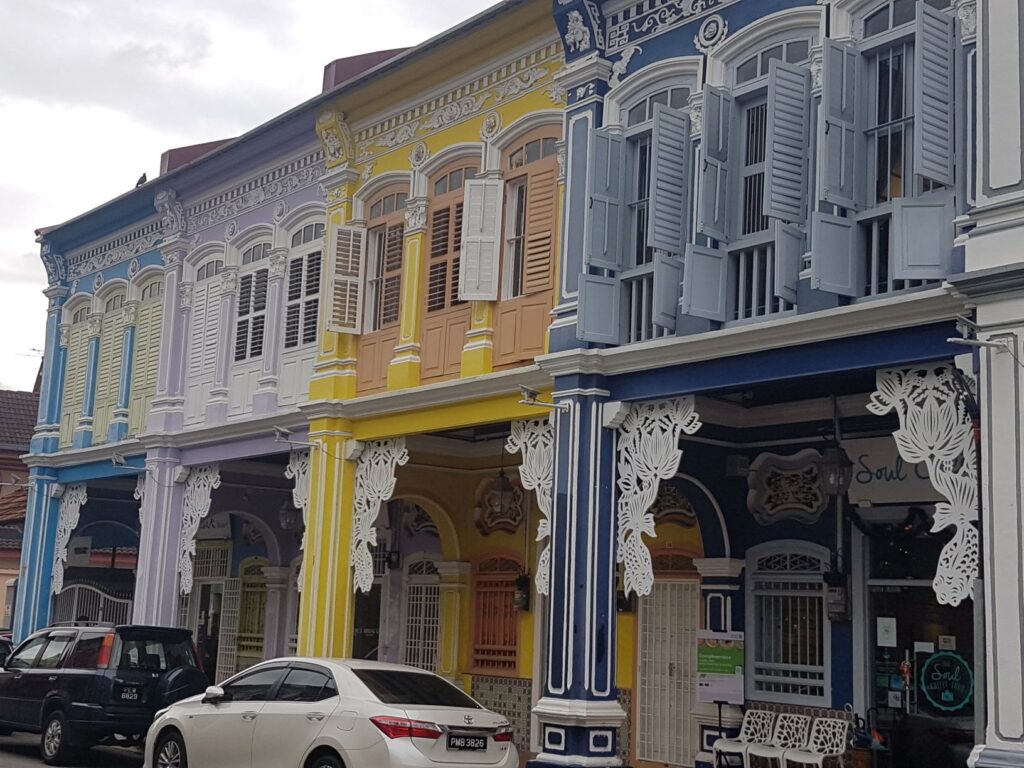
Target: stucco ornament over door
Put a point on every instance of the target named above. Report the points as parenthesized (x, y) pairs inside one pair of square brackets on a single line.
[(648, 452), (375, 484), (199, 484), (67, 520), (935, 429), (535, 439)]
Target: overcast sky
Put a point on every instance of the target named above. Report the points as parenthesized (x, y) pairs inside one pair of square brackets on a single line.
[(92, 91)]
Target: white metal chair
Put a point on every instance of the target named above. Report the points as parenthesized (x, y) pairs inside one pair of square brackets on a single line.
[(755, 729), (828, 742), (790, 733)]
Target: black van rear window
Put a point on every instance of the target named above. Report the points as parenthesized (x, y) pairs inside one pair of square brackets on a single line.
[(413, 689), (155, 654)]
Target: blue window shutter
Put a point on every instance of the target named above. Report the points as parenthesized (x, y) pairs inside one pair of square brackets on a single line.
[(604, 193), (922, 231), (670, 162), (668, 275), (842, 143), (705, 283), (713, 215), (789, 253), (599, 319), (789, 100), (934, 95), (837, 265)]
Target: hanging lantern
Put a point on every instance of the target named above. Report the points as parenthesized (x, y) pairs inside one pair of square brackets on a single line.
[(836, 471)]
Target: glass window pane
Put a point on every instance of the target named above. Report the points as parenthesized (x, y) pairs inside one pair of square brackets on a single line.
[(441, 186), (877, 22), (296, 239), (548, 148), (775, 52), (637, 114), (389, 204), (400, 200), (659, 98), (896, 66), (533, 151), (302, 685), (747, 70), (902, 12), (53, 651), (255, 686), (375, 209), (86, 653), (517, 159), (679, 97), (797, 51), (469, 173), (413, 689), (455, 181), (27, 654), (884, 86)]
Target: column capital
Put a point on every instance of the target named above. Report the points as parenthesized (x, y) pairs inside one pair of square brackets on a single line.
[(719, 567)]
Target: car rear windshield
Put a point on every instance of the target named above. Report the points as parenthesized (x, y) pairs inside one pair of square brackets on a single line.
[(415, 689), (155, 654)]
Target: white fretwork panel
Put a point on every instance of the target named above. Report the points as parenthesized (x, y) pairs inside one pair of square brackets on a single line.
[(667, 673)]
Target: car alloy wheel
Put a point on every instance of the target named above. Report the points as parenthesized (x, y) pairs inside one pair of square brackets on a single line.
[(53, 737), (170, 753)]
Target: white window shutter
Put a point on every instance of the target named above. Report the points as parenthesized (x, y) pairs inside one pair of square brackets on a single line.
[(837, 263), (842, 144), (789, 252), (599, 318), (605, 173), (670, 180), (481, 240), (788, 120), (706, 283), (934, 95), (346, 280), (713, 215), (668, 276), (922, 232)]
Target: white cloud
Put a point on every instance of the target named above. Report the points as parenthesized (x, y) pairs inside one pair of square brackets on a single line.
[(92, 91)]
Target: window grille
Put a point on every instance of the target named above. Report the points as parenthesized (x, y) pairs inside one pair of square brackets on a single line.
[(755, 133), (420, 643), (496, 620), (755, 283), (252, 308), (211, 562), (790, 628)]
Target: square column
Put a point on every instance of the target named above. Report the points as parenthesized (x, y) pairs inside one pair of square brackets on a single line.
[(38, 550), (160, 515)]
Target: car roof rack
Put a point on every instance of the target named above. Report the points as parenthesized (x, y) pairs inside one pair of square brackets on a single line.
[(67, 624)]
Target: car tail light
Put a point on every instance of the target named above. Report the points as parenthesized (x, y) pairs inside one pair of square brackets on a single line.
[(404, 728), (103, 659), (504, 733)]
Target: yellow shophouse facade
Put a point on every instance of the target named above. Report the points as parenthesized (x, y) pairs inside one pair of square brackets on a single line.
[(444, 189)]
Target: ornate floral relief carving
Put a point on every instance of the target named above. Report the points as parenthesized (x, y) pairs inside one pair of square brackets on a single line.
[(130, 313), (139, 494), (491, 125), (535, 440), (786, 488), (619, 67), (278, 262), (936, 429), (967, 12), (230, 230), (185, 296), (95, 323), (229, 281), (577, 36), (557, 93), (335, 137), (415, 214), (633, 26), (134, 268), (54, 265), (368, 170), (67, 520), (374, 484), (711, 34), (199, 484), (64, 334), (280, 211), (97, 282), (560, 157), (648, 452), (172, 215), (419, 154), (516, 85), (491, 514), (696, 117), (457, 110)]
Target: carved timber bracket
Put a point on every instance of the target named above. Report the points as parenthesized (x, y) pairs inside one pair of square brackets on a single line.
[(535, 439), (71, 502), (648, 452), (936, 429), (375, 484), (199, 484)]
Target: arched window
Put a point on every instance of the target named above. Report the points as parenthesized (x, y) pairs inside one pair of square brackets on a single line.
[(210, 269), (442, 290), (386, 233), (788, 631), (80, 315), (303, 296)]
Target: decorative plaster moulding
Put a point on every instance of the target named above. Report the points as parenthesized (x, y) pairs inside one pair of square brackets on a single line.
[(122, 246), (629, 24)]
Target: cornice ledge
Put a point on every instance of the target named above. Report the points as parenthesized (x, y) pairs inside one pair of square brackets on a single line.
[(429, 395), (869, 317), (985, 283), (239, 430), (70, 457)]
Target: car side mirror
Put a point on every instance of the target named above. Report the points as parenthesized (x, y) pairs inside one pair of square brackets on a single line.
[(214, 695)]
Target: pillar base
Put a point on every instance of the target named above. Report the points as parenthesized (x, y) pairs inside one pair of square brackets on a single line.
[(991, 757), (578, 732)]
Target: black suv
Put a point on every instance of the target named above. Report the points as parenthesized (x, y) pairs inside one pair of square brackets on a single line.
[(84, 685)]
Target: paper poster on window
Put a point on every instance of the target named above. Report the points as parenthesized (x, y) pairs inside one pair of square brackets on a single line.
[(886, 631), (720, 662)]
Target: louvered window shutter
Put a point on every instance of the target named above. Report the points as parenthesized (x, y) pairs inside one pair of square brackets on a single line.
[(789, 253), (842, 144), (669, 191), (705, 283), (934, 95), (481, 240), (603, 248), (198, 330), (836, 265), (922, 232), (668, 274), (599, 320), (786, 145), (346, 280), (541, 211), (713, 214)]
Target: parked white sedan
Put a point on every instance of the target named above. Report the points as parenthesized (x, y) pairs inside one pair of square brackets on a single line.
[(330, 713)]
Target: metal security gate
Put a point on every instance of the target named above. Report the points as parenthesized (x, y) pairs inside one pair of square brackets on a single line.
[(82, 600), (422, 625), (667, 673)]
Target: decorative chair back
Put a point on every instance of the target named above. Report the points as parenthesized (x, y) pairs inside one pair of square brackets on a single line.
[(757, 726), (791, 731), (828, 736)]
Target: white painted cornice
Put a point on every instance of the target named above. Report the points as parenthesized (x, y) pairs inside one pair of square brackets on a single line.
[(429, 395), (71, 457), (874, 316)]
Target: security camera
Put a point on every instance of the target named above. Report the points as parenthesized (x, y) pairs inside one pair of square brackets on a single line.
[(117, 460), (528, 394), (281, 434)]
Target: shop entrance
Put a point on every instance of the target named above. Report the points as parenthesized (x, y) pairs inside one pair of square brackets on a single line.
[(921, 653)]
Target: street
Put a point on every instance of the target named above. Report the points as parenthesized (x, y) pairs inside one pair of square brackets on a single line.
[(22, 750)]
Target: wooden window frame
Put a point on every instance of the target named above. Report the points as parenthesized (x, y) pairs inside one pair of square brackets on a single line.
[(385, 232), (495, 616), (445, 252)]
